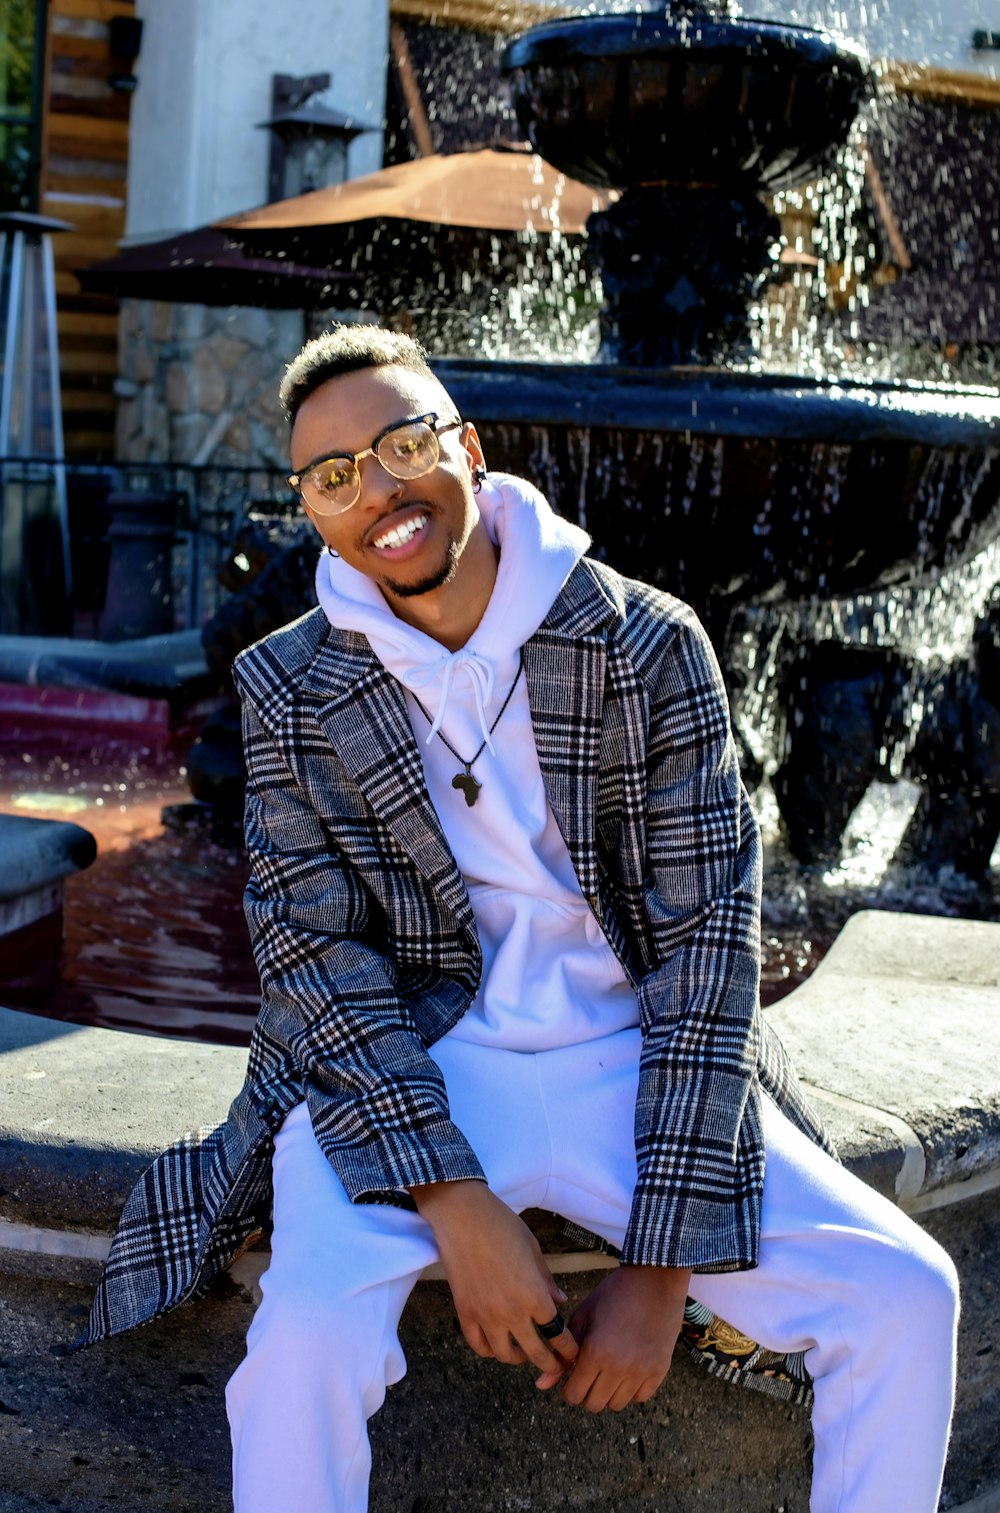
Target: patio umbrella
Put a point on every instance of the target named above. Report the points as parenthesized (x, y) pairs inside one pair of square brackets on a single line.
[(436, 241), (499, 190), (205, 267)]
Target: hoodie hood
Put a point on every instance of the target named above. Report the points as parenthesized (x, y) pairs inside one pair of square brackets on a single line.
[(538, 551)]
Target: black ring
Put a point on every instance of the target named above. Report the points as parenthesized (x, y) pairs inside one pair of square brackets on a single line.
[(553, 1329)]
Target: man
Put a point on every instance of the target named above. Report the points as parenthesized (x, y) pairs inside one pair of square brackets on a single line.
[(504, 906)]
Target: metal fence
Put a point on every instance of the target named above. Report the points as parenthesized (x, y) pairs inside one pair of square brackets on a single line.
[(208, 505), (190, 516)]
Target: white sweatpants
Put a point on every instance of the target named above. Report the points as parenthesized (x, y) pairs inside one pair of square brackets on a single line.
[(842, 1276)]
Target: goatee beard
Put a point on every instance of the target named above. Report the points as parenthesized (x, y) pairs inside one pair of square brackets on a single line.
[(444, 575)]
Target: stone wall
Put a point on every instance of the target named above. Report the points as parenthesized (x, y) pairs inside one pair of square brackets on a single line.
[(199, 384)]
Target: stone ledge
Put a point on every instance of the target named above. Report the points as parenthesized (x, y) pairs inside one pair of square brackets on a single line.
[(83, 1112), (896, 1034), (138, 1423), (37, 853), (140, 1419), (147, 665)]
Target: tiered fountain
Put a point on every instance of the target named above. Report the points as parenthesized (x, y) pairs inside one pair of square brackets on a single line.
[(724, 485), (728, 486)]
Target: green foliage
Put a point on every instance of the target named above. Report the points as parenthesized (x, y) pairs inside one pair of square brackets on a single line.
[(18, 126), (17, 56)]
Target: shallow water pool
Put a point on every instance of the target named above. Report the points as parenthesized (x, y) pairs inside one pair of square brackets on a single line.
[(155, 939)]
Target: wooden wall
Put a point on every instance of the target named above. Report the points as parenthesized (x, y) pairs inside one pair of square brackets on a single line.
[(84, 164)]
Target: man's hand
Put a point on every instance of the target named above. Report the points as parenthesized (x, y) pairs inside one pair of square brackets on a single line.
[(627, 1328), (500, 1283)]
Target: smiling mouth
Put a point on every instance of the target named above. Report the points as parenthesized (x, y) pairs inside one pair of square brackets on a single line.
[(399, 535)]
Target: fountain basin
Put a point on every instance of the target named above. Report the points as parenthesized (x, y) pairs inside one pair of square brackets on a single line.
[(727, 487), (695, 114), (685, 95)]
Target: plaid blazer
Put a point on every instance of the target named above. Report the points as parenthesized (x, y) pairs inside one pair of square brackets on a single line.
[(367, 950)]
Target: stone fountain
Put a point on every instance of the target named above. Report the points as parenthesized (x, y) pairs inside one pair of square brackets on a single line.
[(722, 484), (692, 470), (728, 486)]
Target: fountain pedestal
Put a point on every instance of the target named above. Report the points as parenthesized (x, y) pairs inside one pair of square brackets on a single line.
[(680, 269)]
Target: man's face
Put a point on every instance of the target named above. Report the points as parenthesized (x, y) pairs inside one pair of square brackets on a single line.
[(409, 535)]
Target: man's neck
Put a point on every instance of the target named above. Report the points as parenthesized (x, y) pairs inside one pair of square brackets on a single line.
[(451, 613)]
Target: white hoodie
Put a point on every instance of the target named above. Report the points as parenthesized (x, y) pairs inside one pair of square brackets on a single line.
[(549, 976)]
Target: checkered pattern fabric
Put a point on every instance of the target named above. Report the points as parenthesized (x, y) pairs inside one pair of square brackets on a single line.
[(367, 951)]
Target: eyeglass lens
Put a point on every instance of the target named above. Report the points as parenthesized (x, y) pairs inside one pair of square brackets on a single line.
[(408, 451)]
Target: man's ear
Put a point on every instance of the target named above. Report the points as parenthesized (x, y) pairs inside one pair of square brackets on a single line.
[(472, 446)]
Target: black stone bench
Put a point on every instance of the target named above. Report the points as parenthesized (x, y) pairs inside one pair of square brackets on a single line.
[(897, 1035)]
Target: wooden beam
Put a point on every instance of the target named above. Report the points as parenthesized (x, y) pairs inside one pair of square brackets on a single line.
[(900, 254), (89, 324), (75, 145), (75, 249), (921, 81), (107, 221), (90, 129), (92, 10), (55, 186), (66, 45), (89, 401), (89, 363), (415, 108), (505, 17), (84, 446)]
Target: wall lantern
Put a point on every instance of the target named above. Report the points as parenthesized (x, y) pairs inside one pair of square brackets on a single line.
[(309, 142), (124, 42)]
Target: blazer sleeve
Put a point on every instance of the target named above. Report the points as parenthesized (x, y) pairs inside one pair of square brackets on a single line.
[(330, 996), (698, 1137)]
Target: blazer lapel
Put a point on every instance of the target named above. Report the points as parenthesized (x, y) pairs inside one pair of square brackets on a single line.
[(565, 663), (361, 711)]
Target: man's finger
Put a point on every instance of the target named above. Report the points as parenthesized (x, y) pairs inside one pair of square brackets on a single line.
[(559, 1338), (509, 1352), (476, 1339), (649, 1389), (552, 1358), (624, 1394), (566, 1347), (579, 1383), (552, 1328)]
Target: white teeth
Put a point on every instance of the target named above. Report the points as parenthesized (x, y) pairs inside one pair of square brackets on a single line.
[(400, 534)]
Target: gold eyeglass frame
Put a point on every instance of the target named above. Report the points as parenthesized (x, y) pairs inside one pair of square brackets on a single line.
[(295, 480)]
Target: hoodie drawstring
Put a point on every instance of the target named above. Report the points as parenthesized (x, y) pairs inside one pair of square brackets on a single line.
[(481, 678)]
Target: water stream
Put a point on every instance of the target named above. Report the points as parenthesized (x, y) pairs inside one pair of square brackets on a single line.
[(155, 939)]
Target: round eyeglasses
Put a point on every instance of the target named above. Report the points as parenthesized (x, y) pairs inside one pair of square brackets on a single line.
[(406, 449)]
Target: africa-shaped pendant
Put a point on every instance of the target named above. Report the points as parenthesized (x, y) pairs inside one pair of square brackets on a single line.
[(468, 784)]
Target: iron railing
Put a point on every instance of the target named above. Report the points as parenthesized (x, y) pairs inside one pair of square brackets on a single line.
[(200, 509)]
